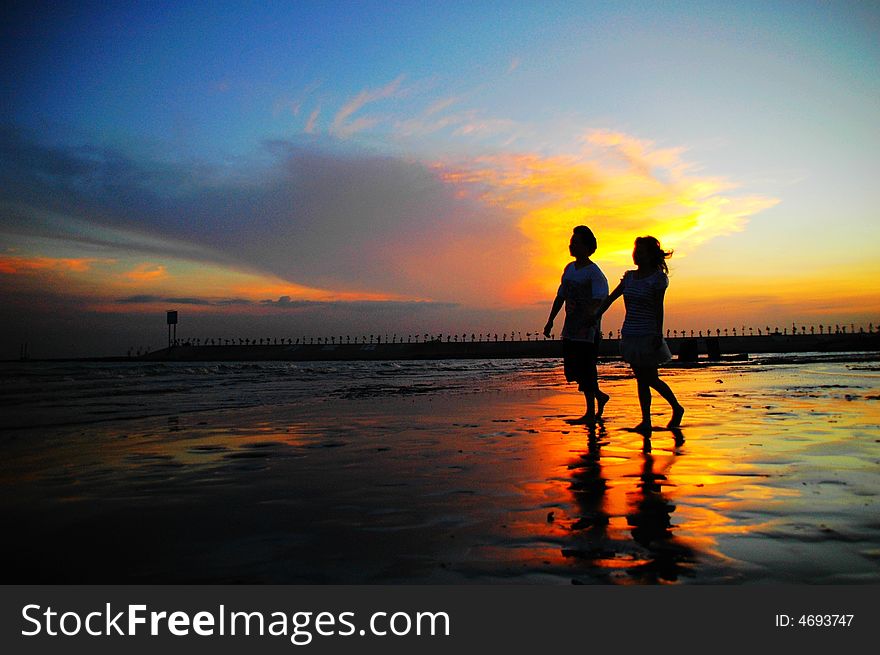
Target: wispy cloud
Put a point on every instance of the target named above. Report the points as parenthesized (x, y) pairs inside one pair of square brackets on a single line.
[(285, 302), (149, 299), (293, 104), (286, 105), (467, 123), (142, 298), (485, 126), (425, 126), (343, 127), (376, 307), (312, 122), (440, 105), (17, 265), (147, 273)]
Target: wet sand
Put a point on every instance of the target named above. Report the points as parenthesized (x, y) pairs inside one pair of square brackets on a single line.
[(773, 477)]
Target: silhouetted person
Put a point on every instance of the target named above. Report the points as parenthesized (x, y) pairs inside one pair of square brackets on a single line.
[(642, 345), (582, 290)]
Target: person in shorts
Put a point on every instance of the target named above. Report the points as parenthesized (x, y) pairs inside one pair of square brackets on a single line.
[(581, 291)]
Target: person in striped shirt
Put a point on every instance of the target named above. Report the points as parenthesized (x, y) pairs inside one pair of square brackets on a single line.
[(642, 345)]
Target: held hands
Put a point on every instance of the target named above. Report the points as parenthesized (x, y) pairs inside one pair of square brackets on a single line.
[(547, 329)]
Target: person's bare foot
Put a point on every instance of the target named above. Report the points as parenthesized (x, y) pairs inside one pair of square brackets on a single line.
[(601, 400), (677, 413), (643, 428), (678, 435), (586, 419)]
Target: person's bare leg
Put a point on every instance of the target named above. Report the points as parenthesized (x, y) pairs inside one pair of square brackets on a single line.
[(601, 400), (643, 382), (589, 416), (667, 394), (590, 399)]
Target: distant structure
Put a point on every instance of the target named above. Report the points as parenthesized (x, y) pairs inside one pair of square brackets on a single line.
[(171, 318), (715, 344)]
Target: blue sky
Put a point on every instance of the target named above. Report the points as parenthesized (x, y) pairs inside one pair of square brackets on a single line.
[(674, 71)]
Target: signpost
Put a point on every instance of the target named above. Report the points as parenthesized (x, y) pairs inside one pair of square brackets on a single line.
[(172, 320)]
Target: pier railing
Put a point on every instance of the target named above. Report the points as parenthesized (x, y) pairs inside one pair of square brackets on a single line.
[(684, 348)]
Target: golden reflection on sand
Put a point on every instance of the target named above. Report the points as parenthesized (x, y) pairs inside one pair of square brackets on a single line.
[(771, 477), (648, 507)]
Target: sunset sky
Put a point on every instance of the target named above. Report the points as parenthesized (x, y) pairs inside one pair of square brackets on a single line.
[(331, 168)]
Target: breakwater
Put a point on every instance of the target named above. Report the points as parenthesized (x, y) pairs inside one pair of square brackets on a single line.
[(684, 348)]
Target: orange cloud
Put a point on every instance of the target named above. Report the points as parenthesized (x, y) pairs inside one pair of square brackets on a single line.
[(20, 265), (620, 186), (147, 273), (485, 126), (259, 290)]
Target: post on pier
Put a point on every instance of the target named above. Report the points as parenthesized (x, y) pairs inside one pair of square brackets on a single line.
[(172, 321)]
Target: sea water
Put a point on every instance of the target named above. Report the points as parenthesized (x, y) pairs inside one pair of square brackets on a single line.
[(44, 394)]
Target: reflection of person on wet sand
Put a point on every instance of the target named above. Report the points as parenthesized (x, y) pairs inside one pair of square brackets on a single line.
[(590, 541), (651, 524), (582, 290), (642, 345), (588, 487), (654, 554)]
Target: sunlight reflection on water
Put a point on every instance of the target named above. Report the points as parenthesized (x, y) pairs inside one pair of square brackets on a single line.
[(469, 473)]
